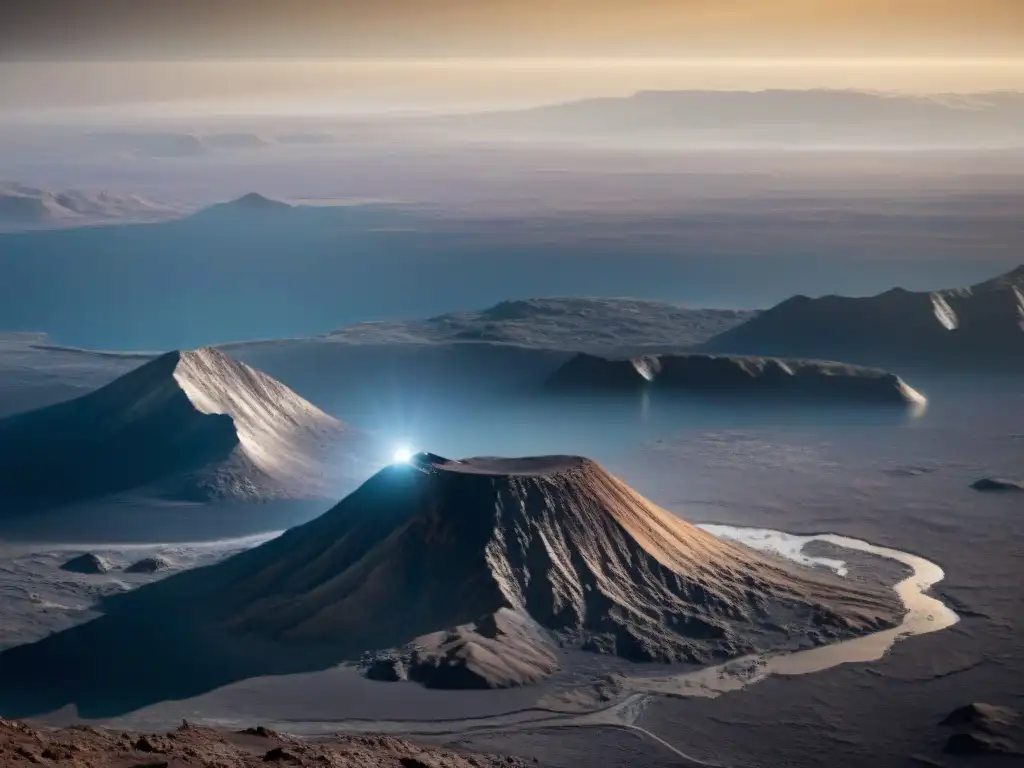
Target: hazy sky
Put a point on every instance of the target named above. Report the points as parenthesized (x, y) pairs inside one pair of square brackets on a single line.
[(188, 88), (342, 28), (454, 54)]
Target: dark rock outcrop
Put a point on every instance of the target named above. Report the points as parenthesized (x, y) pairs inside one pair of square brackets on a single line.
[(979, 714), (726, 376), (149, 565), (87, 563), (388, 668), (997, 485), (982, 729), (975, 744)]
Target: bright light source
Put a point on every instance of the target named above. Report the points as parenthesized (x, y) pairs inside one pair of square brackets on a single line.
[(402, 455)]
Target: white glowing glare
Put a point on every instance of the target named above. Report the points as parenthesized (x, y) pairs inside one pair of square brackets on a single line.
[(402, 455)]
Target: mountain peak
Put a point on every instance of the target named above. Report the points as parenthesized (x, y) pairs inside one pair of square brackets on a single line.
[(498, 467), (186, 424), (1015, 277), (25, 207), (977, 328), (257, 201), (251, 203), (460, 574), (539, 545)]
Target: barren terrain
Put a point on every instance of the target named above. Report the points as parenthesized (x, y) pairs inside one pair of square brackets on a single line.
[(903, 483)]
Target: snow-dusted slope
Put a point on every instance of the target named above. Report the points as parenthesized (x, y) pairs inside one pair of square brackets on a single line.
[(190, 425), (467, 570), (278, 431)]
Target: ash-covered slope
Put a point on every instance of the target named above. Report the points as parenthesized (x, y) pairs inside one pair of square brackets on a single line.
[(979, 327), (189, 425), (465, 574), (478, 560), (750, 377)]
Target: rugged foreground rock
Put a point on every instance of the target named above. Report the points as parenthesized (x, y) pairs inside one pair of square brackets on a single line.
[(983, 729), (82, 746), (997, 485), (149, 565), (88, 563)]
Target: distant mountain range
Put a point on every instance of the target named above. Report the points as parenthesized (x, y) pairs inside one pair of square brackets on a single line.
[(807, 118), (202, 426), (27, 207), (976, 328), (600, 325), (772, 117), (235, 270), (171, 144), (23, 207), (980, 327)]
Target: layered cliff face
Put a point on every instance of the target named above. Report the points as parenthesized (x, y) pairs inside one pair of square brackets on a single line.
[(472, 572), (753, 378), (191, 425), (980, 327)]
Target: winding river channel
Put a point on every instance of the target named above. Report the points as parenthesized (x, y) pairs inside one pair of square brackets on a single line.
[(924, 614)]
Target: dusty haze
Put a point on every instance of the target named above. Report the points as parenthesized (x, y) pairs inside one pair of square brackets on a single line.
[(107, 28)]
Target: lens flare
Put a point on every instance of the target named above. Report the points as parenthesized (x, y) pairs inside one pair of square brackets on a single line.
[(402, 455)]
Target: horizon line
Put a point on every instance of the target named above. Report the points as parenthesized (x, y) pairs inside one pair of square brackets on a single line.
[(551, 61)]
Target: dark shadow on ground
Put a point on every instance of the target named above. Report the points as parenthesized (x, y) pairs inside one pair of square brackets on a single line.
[(173, 639), (131, 520)]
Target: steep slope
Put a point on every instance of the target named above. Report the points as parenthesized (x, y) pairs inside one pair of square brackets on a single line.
[(192, 425), (465, 574), (980, 327), (482, 558), (750, 377)]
